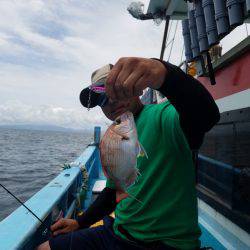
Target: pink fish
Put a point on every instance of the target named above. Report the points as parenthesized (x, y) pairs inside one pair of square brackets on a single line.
[(119, 149)]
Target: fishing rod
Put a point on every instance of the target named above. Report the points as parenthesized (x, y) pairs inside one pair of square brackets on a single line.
[(8, 191)]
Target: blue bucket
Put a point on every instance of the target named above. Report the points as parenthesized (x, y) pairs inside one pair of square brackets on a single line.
[(235, 12), (211, 28), (193, 34), (187, 40), (201, 27), (221, 17)]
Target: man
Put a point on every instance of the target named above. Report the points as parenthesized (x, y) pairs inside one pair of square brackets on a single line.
[(168, 132)]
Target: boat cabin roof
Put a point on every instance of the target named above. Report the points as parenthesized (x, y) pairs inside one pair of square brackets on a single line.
[(177, 9)]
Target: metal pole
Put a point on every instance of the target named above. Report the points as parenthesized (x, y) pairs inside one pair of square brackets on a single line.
[(163, 46), (97, 135)]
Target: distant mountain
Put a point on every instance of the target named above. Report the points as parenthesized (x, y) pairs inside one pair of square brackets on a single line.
[(39, 127)]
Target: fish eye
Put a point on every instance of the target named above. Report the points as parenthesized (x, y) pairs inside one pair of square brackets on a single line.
[(118, 121)]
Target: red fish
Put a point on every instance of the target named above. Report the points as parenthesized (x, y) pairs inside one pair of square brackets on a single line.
[(119, 149)]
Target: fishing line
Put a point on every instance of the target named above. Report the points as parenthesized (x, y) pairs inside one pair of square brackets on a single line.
[(8, 191)]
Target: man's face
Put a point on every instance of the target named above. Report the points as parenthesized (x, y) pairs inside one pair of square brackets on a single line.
[(115, 108)]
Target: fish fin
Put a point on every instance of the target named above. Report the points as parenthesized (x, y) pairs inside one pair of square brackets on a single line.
[(142, 151)]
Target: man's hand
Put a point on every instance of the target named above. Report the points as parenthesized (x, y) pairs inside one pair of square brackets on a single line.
[(63, 226), (131, 75)]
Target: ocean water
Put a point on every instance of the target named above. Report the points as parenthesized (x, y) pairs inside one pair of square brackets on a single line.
[(29, 159)]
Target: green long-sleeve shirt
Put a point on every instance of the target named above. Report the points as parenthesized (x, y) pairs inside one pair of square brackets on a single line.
[(166, 185)]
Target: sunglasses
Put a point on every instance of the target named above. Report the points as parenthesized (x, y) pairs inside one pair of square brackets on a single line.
[(99, 88)]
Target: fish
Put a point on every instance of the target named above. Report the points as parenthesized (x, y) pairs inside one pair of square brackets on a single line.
[(119, 150)]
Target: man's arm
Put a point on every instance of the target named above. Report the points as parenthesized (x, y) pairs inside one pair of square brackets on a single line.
[(196, 108), (104, 205)]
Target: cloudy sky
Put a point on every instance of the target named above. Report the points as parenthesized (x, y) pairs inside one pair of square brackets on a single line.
[(48, 50)]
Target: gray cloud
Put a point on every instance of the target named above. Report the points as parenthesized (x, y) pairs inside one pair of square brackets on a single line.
[(48, 50)]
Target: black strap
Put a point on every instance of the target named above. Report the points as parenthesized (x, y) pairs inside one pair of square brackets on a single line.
[(210, 69)]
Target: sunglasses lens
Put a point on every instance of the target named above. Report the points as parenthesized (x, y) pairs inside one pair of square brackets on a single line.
[(102, 100)]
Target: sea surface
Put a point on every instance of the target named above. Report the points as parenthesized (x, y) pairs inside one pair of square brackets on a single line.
[(29, 159)]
